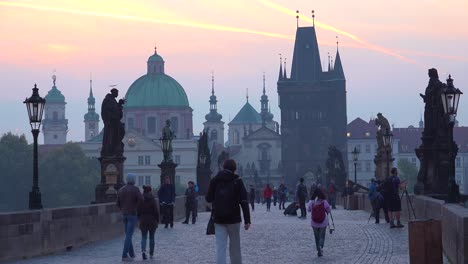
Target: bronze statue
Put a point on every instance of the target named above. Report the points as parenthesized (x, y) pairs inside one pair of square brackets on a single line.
[(384, 128), (168, 134), (114, 129)]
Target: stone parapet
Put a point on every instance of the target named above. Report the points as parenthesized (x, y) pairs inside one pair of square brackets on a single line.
[(31, 233)]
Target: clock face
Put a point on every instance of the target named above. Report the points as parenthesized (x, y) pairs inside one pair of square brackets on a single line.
[(131, 142)]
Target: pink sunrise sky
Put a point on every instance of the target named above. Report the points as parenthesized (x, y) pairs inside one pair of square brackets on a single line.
[(386, 48)]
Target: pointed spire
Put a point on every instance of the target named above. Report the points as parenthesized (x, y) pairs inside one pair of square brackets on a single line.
[(285, 76), (212, 82), (329, 69), (280, 76), (313, 18), (338, 67), (263, 83), (297, 18), (247, 94), (155, 49)]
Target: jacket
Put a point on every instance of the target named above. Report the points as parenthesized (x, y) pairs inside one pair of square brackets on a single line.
[(148, 213), (128, 199), (267, 192), (190, 197), (226, 175), (166, 193)]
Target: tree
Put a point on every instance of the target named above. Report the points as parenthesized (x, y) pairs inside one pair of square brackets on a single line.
[(68, 177), (16, 172), (408, 171)]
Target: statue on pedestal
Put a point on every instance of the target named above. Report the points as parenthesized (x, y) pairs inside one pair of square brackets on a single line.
[(383, 128), (168, 134), (114, 129)]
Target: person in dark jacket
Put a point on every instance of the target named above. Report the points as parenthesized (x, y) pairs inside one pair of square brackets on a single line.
[(128, 200), (282, 196), (167, 196), (228, 195), (275, 196), (148, 215), (252, 197), (301, 196), (190, 203)]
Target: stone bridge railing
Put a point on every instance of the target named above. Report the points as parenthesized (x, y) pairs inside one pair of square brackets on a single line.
[(31, 233), (454, 219)]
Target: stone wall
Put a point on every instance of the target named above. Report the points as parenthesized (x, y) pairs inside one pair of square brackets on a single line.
[(453, 216), (31, 233)]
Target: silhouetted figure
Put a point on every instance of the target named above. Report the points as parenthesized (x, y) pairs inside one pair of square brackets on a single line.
[(114, 130)]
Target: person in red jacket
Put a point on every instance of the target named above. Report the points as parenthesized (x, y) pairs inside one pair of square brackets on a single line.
[(267, 193)]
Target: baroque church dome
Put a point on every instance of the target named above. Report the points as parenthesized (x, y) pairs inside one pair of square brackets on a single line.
[(156, 89)]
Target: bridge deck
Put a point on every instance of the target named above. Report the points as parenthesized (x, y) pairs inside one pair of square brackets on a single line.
[(273, 238)]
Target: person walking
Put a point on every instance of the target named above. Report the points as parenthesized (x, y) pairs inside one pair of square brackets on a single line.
[(227, 193), (275, 196), (282, 196), (332, 193), (190, 202), (252, 197), (392, 198), (128, 200), (301, 196), (166, 195), (319, 208), (148, 216), (375, 199), (267, 194)]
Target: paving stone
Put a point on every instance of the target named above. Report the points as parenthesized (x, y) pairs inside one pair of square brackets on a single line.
[(273, 238)]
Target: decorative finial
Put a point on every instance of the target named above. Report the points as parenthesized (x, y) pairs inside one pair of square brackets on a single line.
[(337, 43), (328, 61), (263, 83), (155, 49), (313, 18), (247, 94), (332, 63), (297, 18), (281, 58), (212, 82), (54, 77)]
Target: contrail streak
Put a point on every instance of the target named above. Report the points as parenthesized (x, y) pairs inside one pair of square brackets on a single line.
[(364, 43), (145, 19)]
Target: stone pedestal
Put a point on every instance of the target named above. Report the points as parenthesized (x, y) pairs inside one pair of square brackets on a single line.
[(425, 241), (381, 169), (167, 168), (111, 179), (203, 179)]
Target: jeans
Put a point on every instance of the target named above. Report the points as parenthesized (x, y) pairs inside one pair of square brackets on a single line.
[(268, 202), (275, 200), (332, 198), (319, 234), (281, 203), (190, 208), (167, 212), (222, 232), (129, 225), (144, 236), (302, 206)]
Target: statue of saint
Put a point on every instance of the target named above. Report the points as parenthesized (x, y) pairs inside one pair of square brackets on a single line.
[(384, 128), (168, 134), (114, 129)]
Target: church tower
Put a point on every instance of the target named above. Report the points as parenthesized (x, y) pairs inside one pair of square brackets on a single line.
[(313, 109), (91, 118), (55, 125), (213, 123), (266, 115)]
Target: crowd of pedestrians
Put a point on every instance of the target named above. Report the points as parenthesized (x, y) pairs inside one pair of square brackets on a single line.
[(229, 198)]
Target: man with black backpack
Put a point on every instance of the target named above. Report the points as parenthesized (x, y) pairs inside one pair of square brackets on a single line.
[(228, 195), (301, 196), (392, 200)]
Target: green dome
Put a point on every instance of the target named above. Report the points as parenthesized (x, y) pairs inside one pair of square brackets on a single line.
[(155, 57), (156, 90), (54, 96)]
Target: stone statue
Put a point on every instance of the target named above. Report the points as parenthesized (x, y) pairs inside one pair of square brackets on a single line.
[(114, 129), (168, 134), (384, 128), (335, 166)]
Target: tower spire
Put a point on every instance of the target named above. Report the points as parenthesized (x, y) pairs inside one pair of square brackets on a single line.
[(247, 94), (313, 18), (297, 18), (212, 82), (263, 83), (329, 61), (285, 75), (280, 76)]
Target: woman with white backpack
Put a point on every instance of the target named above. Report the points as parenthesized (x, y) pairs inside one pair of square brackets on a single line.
[(319, 208)]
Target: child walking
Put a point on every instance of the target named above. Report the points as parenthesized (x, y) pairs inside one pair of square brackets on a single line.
[(319, 208), (148, 216)]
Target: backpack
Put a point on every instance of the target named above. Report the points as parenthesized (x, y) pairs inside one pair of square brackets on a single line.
[(318, 212), (226, 200)]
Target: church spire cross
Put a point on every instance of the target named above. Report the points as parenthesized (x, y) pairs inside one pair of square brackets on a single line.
[(155, 49)]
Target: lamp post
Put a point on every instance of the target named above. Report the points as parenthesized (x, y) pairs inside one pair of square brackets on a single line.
[(35, 106), (388, 141), (450, 97), (355, 153)]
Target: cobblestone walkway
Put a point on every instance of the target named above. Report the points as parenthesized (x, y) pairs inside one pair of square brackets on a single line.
[(273, 238)]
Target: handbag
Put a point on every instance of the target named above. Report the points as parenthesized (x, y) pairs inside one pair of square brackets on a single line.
[(210, 228)]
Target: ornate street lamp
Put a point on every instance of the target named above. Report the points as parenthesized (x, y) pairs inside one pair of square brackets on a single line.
[(355, 154), (35, 106), (450, 97), (388, 141)]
